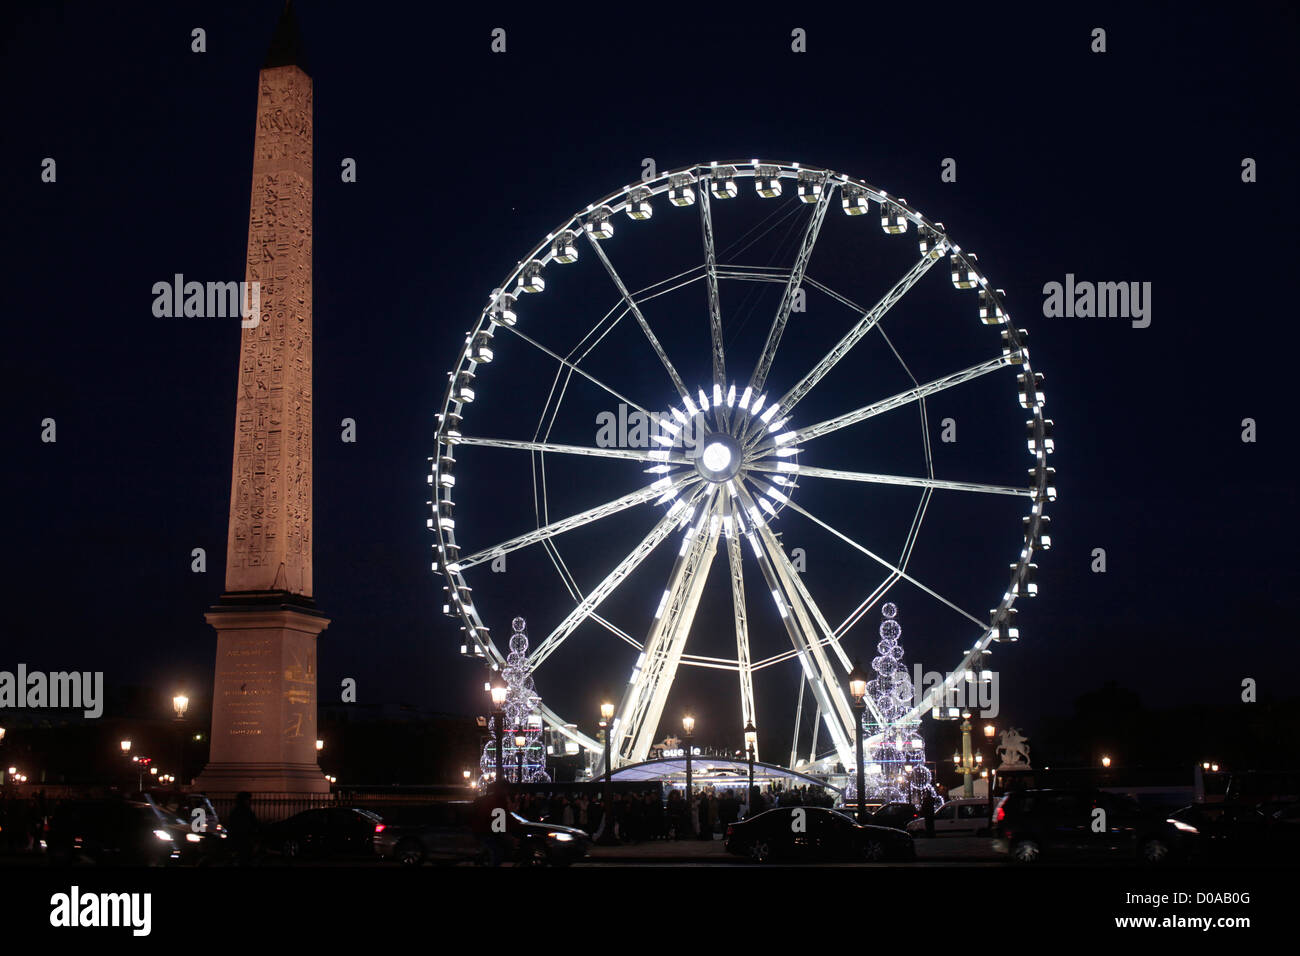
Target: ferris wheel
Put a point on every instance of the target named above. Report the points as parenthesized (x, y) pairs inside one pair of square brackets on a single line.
[(734, 450)]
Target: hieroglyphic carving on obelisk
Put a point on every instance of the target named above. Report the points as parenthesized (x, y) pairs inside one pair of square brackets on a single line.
[(270, 537)]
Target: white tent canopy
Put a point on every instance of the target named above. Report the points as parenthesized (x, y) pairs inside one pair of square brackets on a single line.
[(716, 771)]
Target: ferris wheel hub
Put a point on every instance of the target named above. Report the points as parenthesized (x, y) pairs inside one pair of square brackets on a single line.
[(721, 458)]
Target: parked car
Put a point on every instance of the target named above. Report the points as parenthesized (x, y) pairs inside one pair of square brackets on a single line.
[(1226, 831), (112, 831), (443, 833), (437, 833), (1030, 825), (896, 815), (961, 816), (819, 834), (1284, 820), (325, 832)]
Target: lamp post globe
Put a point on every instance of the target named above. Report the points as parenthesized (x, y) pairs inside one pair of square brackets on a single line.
[(607, 837), (688, 731), (499, 692), (751, 741), (858, 691)]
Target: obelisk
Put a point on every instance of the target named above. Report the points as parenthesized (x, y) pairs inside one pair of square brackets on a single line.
[(264, 693)]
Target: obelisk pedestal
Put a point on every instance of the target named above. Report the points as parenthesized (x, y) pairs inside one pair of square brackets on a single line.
[(264, 698), (264, 695)]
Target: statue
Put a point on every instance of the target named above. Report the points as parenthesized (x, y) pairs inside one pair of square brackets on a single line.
[(1014, 750)]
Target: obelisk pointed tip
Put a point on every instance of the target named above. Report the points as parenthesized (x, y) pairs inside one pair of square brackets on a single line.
[(286, 43)]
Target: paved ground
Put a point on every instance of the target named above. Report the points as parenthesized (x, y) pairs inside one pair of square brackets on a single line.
[(696, 852), (941, 851)]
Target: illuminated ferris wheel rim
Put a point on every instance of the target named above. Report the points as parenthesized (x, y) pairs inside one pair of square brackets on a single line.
[(815, 186)]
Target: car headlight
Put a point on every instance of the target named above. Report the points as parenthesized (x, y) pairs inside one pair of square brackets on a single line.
[(193, 838), (1180, 825), (561, 837), (162, 835)]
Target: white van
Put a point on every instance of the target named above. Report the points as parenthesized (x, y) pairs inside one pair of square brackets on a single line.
[(968, 816)]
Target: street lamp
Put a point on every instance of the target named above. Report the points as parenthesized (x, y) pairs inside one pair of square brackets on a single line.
[(180, 703), (499, 692), (126, 746), (966, 764), (858, 691), (320, 745), (607, 837), (465, 774), (688, 731), (1105, 761), (751, 742), (989, 731)]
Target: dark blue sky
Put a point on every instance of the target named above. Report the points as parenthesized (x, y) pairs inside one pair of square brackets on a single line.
[(1119, 166)]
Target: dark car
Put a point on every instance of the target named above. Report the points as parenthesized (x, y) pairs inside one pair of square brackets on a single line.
[(112, 831), (1030, 825), (815, 833), (896, 815), (325, 832), (438, 833), (202, 836), (443, 833), (1226, 831), (546, 844), (1284, 820)]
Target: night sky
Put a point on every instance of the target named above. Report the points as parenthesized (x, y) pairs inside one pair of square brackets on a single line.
[(1122, 166)]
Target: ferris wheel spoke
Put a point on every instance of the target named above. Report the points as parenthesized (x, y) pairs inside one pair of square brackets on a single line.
[(901, 399), (579, 520), (574, 368), (754, 274), (744, 667), (802, 636), (881, 561), (864, 325), (814, 472), (637, 718), (792, 285), (636, 313), (868, 603), (630, 454), (606, 587), (904, 556), (711, 274), (807, 611)]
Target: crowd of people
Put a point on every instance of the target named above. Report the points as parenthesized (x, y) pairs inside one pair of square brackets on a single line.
[(645, 815), (22, 821)]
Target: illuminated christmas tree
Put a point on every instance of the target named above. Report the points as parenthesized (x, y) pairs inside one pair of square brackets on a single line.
[(521, 719), (895, 762)]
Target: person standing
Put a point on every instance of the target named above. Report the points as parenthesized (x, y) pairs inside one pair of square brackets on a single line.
[(242, 828)]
